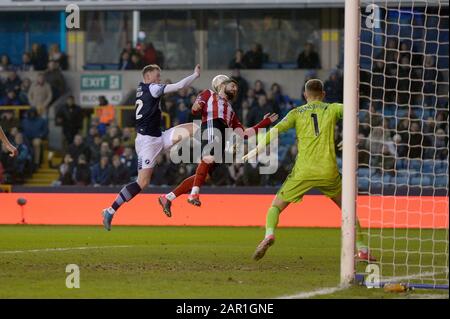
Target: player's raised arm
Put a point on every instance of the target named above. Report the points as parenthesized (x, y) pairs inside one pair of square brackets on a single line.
[(184, 83), (13, 151)]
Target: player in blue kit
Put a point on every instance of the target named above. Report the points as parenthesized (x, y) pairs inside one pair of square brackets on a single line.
[(150, 140)]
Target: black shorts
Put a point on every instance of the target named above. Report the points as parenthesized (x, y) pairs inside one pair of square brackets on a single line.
[(213, 138)]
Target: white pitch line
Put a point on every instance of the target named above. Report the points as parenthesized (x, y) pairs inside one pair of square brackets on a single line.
[(310, 294), (59, 249), (330, 290)]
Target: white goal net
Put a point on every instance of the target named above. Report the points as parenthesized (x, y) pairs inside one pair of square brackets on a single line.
[(402, 182)]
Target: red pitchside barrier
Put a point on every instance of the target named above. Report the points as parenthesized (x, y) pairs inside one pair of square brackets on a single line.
[(223, 210)]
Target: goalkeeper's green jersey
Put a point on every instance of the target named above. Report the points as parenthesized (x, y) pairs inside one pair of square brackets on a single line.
[(314, 123)]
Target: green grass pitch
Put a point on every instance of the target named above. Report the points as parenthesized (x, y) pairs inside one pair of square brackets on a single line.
[(173, 262)]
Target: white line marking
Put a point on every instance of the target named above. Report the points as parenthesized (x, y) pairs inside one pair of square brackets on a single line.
[(330, 290), (310, 294), (59, 249)]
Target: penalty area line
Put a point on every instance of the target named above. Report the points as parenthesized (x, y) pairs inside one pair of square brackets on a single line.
[(60, 249)]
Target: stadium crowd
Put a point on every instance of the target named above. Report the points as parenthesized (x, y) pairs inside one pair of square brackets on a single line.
[(406, 119)]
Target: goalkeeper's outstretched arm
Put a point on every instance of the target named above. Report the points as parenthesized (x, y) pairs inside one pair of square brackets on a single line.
[(285, 124)]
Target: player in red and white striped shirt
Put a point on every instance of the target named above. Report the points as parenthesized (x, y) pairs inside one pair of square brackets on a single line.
[(217, 115)]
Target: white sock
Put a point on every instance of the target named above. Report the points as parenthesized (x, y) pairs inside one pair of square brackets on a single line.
[(195, 190), (110, 210), (171, 196)]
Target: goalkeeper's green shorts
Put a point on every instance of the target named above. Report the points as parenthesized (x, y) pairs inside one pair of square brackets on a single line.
[(293, 190)]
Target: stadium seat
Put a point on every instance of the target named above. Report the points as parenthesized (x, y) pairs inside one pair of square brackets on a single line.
[(415, 165), (400, 164), (428, 166), (363, 184), (441, 181)]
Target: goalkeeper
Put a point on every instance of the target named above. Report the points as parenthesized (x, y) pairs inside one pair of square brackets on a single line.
[(315, 165)]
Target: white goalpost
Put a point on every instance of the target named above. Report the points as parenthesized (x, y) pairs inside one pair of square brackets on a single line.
[(395, 133)]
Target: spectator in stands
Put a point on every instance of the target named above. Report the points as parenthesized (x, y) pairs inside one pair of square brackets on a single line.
[(35, 129), (244, 113), (10, 99), (26, 65), (102, 172), (238, 61), (148, 53), (433, 80), (78, 147), (442, 120), (40, 94), (259, 88), (39, 57), (129, 159), (161, 176), (129, 49), (105, 113), (417, 141), (124, 61), (120, 174), (105, 150), (24, 89), (404, 82), (66, 171), (12, 82), (405, 52), (70, 117), (243, 87), (135, 62), (253, 59), (441, 145), (23, 159), (334, 88), (117, 147), (94, 148), (236, 173), (308, 58), (251, 98), (55, 78), (257, 113), (112, 132), (251, 174), (57, 56), (183, 113), (92, 133), (273, 104), (8, 121), (127, 137), (277, 95), (5, 64), (82, 172)]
